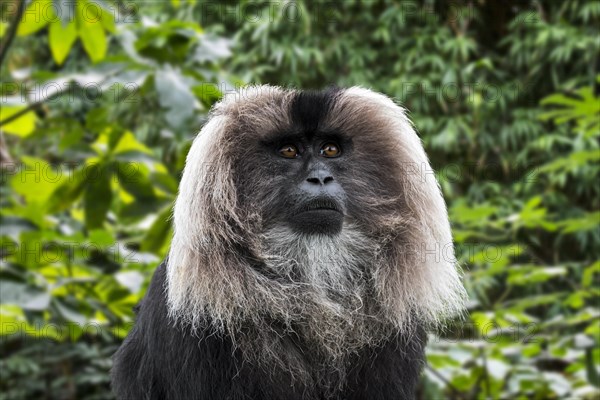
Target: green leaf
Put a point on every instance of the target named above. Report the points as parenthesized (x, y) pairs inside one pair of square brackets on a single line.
[(132, 280), (91, 33), (36, 16), (440, 360), (586, 223), (483, 321), (583, 108), (66, 10), (591, 367), (527, 275), (22, 126), (68, 192), (208, 93), (576, 300), (572, 162), (37, 180), (134, 179), (139, 209), (13, 226), (23, 295), (61, 39), (469, 214), (159, 231), (128, 142), (175, 95), (588, 274), (170, 42), (164, 182), (98, 197), (108, 20), (69, 312), (101, 237)]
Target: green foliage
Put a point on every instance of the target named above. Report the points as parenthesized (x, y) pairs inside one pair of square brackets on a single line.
[(100, 100)]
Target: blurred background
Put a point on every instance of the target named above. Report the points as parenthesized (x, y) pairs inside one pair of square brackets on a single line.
[(100, 100)]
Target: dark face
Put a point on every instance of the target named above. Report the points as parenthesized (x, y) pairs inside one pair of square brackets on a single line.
[(301, 172), (311, 198)]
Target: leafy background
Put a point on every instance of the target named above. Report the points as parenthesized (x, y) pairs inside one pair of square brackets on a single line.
[(100, 100)]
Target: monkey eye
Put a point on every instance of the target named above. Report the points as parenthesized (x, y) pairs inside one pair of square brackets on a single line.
[(330, 150), (288, 151)]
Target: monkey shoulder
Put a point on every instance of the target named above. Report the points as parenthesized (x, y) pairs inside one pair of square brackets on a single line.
[(161, 359), (390, 371)]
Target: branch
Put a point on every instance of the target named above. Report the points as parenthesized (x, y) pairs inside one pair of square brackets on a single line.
[(12, 31), (32, 106), (38, 103), (485, 372), (5, 158)]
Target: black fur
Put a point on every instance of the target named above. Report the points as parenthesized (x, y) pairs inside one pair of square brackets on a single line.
[(309, 108), (163, 362)]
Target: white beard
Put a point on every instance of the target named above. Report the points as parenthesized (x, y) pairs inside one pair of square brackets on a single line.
[(333, 299), (329, 266)]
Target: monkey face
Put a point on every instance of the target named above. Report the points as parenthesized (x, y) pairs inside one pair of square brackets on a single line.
[(307, 169), (313, 166)]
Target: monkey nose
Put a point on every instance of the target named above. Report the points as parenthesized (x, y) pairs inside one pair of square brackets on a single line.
[(320, 180)]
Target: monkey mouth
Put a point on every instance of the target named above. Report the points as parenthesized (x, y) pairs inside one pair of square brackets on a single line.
[(319, 216), (320, 204)]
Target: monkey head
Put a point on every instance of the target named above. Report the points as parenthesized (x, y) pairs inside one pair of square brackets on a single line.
[(279, 180)]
